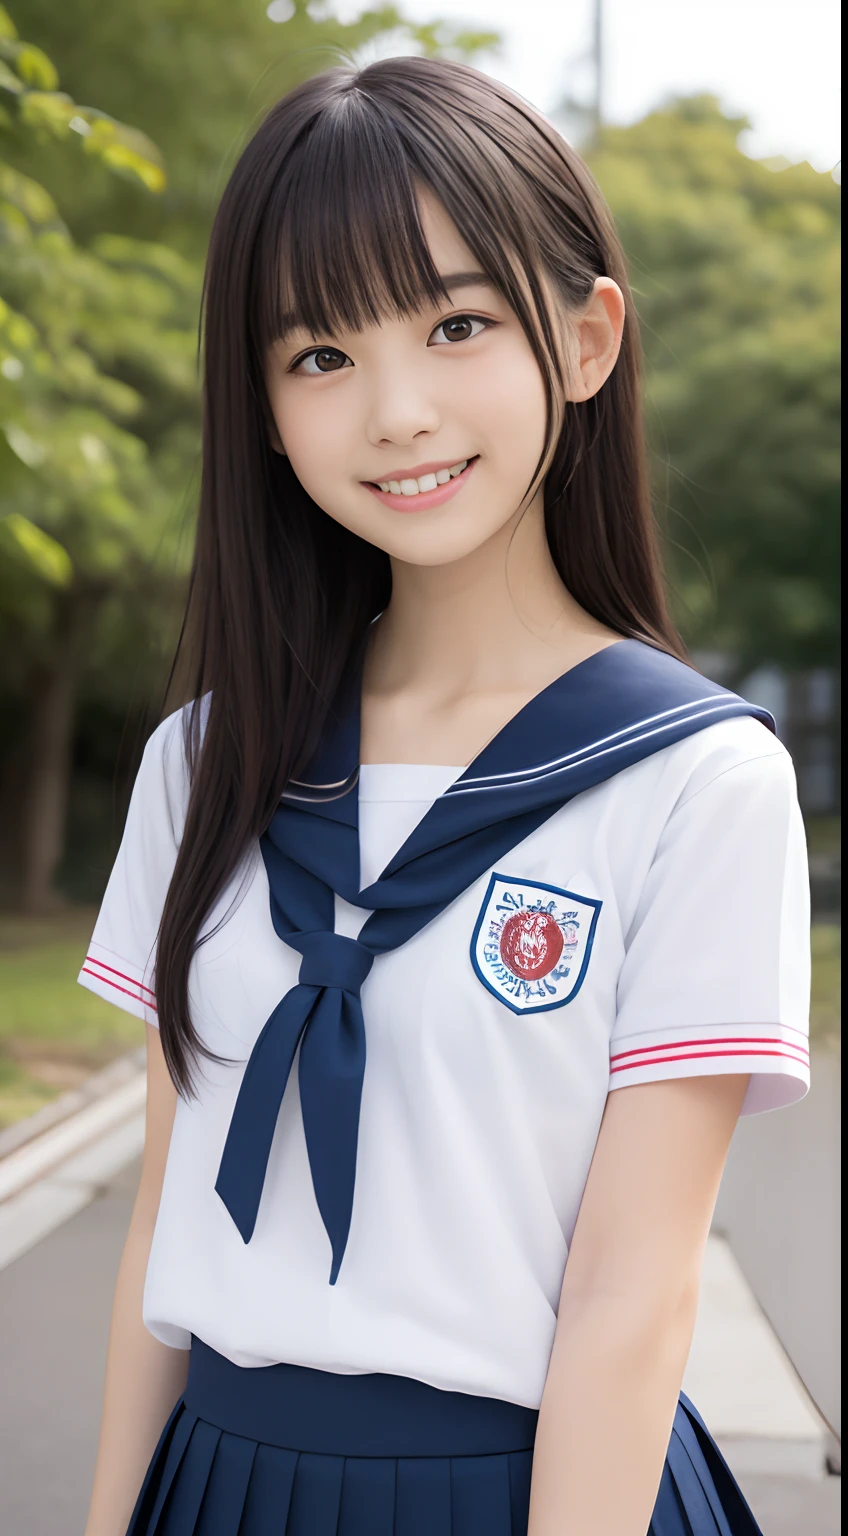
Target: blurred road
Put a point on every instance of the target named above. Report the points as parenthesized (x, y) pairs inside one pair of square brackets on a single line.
[(54, 1311)]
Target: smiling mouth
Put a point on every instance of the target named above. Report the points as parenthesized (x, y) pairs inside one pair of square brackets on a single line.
[(424, 491), (420, 484)]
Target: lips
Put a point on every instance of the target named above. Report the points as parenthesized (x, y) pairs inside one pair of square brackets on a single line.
[(418, 470), (421, 501)]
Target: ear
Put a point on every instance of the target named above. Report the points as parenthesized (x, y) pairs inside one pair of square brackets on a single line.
[(599, 329)]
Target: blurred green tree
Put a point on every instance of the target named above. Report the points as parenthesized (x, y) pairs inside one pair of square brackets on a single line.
[(85, 336), (198, 77), (98, 396), (735, 266)]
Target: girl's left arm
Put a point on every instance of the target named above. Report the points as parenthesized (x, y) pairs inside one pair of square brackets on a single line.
[(628, 1305)]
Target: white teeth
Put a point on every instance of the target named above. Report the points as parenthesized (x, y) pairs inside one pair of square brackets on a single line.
[(429, 482)]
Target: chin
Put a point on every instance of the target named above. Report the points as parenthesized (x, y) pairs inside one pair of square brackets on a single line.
[(433, 547)]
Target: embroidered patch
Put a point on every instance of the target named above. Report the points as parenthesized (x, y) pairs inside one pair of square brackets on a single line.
[(532, 943)]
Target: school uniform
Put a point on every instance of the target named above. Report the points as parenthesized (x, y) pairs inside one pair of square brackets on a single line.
[(422, 986)]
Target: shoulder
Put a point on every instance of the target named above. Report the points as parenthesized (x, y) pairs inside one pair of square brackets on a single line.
[(726, 791), (163, 782), (734, 774), (741, 755)]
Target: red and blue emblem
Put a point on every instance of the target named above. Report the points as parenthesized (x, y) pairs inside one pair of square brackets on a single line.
[(532, 943)]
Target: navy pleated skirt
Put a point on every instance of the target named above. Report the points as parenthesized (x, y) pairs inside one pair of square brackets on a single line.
[(283, 1450)]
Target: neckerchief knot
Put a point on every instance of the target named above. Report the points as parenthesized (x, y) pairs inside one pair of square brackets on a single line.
[(607, 713), (331, 960)]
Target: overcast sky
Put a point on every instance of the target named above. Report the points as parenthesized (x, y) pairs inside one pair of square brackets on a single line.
[(775, 60)]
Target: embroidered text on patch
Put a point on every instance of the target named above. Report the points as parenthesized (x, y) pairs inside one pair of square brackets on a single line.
[(532, 942)]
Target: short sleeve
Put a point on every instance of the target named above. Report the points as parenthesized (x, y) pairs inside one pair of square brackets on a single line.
[(121, 958), (716, 975)]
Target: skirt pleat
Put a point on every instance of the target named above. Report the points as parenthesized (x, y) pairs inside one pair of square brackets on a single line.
[(480, 1495), (520, 1473), (148, 1493), (423, 1502), (316, 1496), (268, 1501), (683, 1507), (669, 1517), (170, 1466), (723, 1490), (204, 1481), (207, 1481), (698, 1495), (695, 1488), (368, 1496), (182, 1508), (226, 1489)]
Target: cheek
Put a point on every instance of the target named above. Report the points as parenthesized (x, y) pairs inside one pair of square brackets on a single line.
[(509, 402), (322, 440), (314, 441)]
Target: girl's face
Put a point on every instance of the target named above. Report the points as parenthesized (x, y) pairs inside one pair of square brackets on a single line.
[(420, 434)]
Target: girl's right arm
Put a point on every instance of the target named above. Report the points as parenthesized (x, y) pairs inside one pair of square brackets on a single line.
[(144, 1378)]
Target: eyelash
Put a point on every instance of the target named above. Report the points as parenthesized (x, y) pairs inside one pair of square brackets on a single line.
[(450, 320)]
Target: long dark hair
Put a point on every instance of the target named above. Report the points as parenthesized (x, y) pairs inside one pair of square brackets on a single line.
[(320, 220)]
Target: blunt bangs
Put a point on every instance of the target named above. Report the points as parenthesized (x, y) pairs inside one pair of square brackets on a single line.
[(341, 244)]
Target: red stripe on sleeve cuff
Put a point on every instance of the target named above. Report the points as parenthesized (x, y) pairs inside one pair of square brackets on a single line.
[(726, 1045), (137, 990)]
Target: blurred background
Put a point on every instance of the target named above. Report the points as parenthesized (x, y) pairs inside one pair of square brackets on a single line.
[(712, 128)]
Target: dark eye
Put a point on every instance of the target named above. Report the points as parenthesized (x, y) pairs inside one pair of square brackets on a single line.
[(322, 360), (458, 328)]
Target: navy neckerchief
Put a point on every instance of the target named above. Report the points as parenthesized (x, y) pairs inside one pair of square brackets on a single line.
[(610, 711)]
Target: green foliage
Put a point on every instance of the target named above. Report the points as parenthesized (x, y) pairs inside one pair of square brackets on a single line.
[(53, 1033), (735, 268), (30, 79), (198, 77), (81, 502), (99, 415), (97, 344)]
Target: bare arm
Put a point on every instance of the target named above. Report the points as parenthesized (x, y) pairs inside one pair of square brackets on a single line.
[(143, 1377), (628, 1305)]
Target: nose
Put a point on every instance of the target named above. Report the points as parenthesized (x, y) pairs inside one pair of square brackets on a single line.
[(400, 407)]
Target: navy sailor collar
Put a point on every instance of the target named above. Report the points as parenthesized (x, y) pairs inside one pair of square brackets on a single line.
[(619, 706)]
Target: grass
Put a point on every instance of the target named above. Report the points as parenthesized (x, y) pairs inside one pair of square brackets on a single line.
[(823, 834), (54, 1033), (826, 1000)]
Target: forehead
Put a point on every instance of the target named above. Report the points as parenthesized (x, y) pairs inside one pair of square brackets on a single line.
[(448, 250)]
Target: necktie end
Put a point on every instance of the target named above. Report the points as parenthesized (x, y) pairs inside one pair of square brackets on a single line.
[(243, 1221)]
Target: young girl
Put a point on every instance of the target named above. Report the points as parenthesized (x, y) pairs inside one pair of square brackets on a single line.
[(464, 915)]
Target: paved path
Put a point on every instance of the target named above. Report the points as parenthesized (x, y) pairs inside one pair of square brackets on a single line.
[(779, 1205), (54, 1310)]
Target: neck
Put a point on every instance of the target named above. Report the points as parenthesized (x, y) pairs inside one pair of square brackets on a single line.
[(496, 621)]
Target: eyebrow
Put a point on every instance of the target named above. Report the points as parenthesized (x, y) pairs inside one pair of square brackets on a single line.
[(450, 281)]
